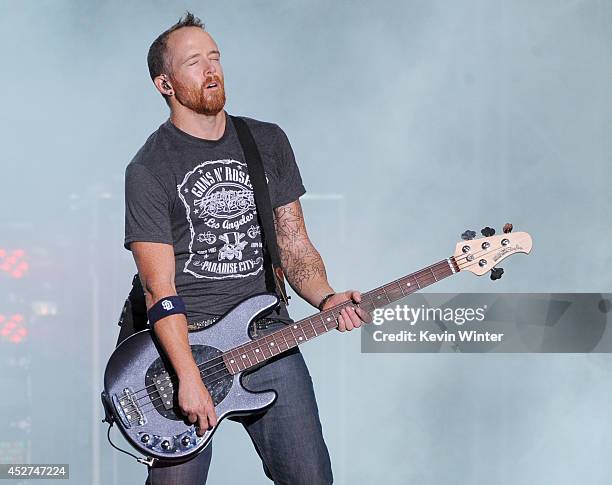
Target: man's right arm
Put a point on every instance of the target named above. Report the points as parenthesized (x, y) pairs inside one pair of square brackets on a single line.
[(155, 262)]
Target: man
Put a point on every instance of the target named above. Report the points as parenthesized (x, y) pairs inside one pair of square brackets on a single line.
[(192, 227)]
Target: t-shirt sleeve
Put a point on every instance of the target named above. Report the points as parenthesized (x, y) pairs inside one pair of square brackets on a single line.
[(147, 207), (290, 185)]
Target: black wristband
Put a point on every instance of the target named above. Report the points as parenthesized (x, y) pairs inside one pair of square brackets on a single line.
[(169, 305), (324, 301)]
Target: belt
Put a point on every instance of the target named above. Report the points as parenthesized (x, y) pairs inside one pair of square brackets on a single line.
[(259, 324)]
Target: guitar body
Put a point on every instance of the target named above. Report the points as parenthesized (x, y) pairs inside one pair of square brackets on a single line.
[(139, 391)]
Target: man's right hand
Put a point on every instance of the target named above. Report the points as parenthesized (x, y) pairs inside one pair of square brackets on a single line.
[(155, 262), (196, 403)]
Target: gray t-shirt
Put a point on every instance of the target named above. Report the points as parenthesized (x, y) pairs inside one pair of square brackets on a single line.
[(196, 195)]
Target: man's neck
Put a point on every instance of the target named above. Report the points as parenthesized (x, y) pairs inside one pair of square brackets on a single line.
[(200, 126)]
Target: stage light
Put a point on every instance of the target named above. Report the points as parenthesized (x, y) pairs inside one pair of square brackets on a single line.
[(14, 262), (44, 308), (12, 328)]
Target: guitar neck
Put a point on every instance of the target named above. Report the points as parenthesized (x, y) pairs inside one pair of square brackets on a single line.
[(263, 348)]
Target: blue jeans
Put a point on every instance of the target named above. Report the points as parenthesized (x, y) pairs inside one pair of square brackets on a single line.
[(287, 436)]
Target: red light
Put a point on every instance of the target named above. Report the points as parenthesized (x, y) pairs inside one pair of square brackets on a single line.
[(13, 262), (13, 329)]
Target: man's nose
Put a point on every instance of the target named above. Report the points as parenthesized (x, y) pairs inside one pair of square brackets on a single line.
[(209, 69)]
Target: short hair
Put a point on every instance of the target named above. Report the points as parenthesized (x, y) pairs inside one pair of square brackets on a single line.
[(156, 58)]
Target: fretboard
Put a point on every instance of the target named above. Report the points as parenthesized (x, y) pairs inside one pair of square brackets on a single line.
[(263, 348)]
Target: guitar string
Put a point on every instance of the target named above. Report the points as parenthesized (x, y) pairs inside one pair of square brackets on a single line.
[(222, 363), (254, 341), (222, 366), (274, 334), (275, 337), (457, 259), (146, 410), (320, 326), (303, 321)]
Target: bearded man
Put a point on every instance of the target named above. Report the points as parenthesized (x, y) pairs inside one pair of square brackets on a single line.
[(192, 227)]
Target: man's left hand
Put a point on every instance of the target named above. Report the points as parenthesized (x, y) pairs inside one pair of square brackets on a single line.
[(352, 316)]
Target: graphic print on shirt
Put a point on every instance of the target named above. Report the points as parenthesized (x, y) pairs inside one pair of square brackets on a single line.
[(220, 208)]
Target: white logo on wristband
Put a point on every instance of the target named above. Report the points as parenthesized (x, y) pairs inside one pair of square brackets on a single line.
[(167, 305)]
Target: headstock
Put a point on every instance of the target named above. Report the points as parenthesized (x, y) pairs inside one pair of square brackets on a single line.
[(483, 254)]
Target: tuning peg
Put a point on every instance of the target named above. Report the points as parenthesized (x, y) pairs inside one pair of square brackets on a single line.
[(467, 235), (496, 273), (487, 231), (507, 228)]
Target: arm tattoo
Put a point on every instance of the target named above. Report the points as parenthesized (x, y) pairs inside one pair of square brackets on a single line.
[(301, 261)]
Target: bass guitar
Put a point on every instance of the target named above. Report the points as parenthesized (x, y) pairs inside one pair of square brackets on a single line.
[(140, 388)]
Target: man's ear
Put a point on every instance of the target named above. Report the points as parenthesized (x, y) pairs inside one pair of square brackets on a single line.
[(163, 85)]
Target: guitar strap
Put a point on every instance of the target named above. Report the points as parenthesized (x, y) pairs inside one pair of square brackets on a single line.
[(275, 279), (134, 312)]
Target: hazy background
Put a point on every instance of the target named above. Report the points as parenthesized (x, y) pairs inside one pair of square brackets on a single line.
[(411, 122)]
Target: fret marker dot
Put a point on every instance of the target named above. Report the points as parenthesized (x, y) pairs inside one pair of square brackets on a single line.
[(328, 319), (256, 350), (232, 361), (407, 284), (295, 326), (378, 297), (243, 356), (271, 344), (300, 338)]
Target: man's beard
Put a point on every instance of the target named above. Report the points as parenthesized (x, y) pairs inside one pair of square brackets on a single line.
[(199, 99)]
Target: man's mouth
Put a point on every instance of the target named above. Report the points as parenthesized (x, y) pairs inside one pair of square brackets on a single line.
[(211, 85)]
